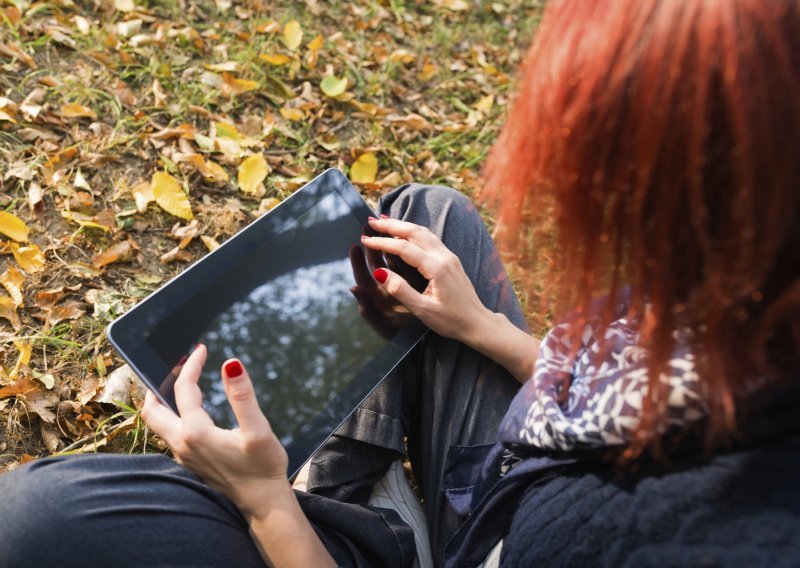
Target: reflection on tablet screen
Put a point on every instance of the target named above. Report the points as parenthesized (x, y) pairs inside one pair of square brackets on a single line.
[(303, 320)]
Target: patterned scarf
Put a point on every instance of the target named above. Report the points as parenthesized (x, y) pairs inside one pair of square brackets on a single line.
[(593, 398)]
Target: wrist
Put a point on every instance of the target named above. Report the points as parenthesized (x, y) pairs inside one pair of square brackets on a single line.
[(475, 334)]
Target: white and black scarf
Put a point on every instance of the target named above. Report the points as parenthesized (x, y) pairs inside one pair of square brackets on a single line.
[(592, 397)]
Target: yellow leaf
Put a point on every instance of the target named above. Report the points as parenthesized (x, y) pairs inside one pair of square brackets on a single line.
[(231, 86), (86, 220), (14, 227), (72, 110), (333, 86), (210, 242), (142, 195), (25, 350), (8, 310), (401, 56), (209, 170), (169, 194), (227, 130), (292, 114), (485, 104), (315, 44), (364, 169), (428, 71), (292, 34), (252, 172), (29, 258), (275, 58), (12, 280)]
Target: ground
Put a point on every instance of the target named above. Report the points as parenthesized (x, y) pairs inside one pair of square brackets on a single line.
[(135, 136)]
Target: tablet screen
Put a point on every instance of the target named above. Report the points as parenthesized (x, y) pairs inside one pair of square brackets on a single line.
[(299, 307)]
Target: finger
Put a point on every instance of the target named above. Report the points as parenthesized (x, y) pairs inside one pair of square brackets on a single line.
[(161, 419), (188, 397), (242, 398), (400, 290), (417, 234), (408, 251)]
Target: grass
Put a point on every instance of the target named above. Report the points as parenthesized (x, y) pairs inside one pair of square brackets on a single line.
[(401, 58)]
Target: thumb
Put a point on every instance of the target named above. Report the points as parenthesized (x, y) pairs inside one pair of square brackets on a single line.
[(242, 397), (399, 289)]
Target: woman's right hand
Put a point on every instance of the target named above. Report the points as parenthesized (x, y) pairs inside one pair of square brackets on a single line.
[(449, 305)]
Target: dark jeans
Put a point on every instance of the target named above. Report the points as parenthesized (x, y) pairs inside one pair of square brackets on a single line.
[(137, 511)]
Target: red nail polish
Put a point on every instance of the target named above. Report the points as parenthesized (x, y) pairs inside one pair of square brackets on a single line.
[(380, 275), (195, 347), (233, 369), (385, 216), (181, 361)]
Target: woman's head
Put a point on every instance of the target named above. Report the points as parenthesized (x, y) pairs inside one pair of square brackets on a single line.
[(663, 138)]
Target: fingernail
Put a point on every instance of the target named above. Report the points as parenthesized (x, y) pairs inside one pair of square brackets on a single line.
[(233, 369), (380, 275), (364, 237), (384, 216), (196, 347), (182, 360)]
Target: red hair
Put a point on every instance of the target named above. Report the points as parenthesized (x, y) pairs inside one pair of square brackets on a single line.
[(659, 141)]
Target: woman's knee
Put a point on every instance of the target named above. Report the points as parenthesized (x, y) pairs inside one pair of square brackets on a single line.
[(431, 206)]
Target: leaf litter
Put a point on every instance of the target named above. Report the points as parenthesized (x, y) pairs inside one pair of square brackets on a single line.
[(135, 137)]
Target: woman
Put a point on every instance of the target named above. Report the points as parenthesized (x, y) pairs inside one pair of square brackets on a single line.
[(661, 138)]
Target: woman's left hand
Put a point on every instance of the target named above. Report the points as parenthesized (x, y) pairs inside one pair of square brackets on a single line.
[(245, 464)]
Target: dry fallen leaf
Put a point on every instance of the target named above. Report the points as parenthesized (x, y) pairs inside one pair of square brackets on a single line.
[(117, 387), (211, 171), (211, 243), (252, 172), (120, 252), (231, 86), (8, 311), (176, 254), (142, 194), (485, 104), (364, 169), (23, 386), (69, 310), (72, 110), (275, 59), (169, 194), (316, 43), (30, 258), (13, 227), (12, 280), (292, 34)]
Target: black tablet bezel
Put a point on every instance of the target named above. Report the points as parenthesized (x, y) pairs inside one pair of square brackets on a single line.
[(126, 334)]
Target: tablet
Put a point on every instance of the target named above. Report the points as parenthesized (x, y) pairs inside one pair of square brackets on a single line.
[(292, 296)]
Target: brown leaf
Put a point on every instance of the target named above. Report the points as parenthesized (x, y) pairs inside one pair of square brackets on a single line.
[(69, 310), (23, 386), (185, 131), (50, 436), (176, 254), (120, 252), (8, 310), (411, 121), (40, 402)]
